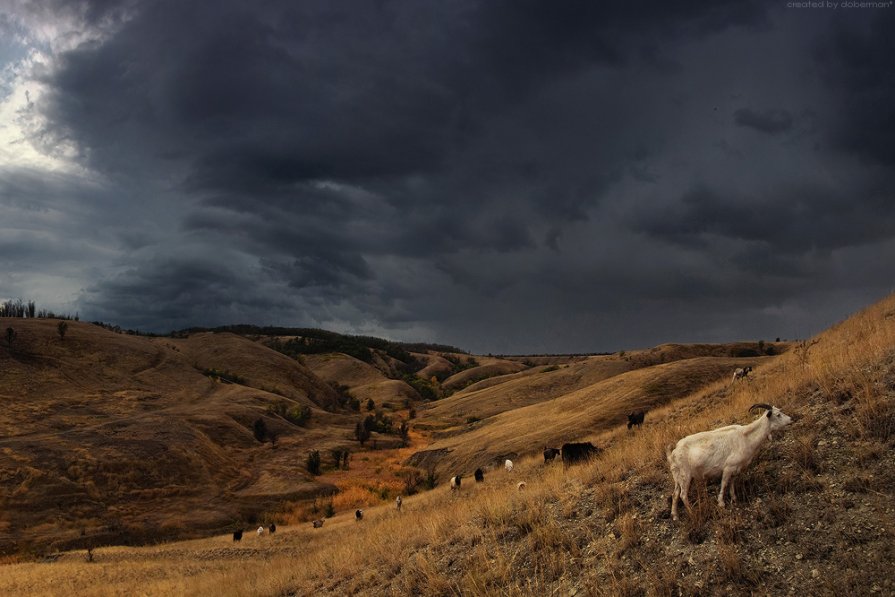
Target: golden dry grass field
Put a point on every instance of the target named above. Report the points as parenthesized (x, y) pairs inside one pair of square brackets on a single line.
[(816, 510)]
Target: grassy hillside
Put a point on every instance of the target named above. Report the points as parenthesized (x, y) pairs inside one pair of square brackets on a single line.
[(110, 437), (815, 511), (577, 415)]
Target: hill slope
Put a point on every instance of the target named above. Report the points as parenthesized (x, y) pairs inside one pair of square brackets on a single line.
[(815, 514), (120, 437)]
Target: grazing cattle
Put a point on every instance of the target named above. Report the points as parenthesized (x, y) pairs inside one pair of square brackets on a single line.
[(723, 452), (398, 502), (479, 475), (237, 536), (520, 485), (575, 452), (272, 528), (260, 531), (636, 418), (358, 515), (318, 523), (550, 454), (455, 483), (741, 373), (508, 465)]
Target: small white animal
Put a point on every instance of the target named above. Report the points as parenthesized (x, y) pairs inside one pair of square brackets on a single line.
[(508, 465), (260, 531), (398, 502)]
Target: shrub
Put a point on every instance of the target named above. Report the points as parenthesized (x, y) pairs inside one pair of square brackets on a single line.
[(313, 462), (371, 405), (61, 328), (424, 387), (299, 414), (11, 336), (412, 479), (224, 376), (329, 510), (361, 433)]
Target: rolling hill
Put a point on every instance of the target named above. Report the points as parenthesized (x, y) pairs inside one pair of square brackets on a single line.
[(814, 516)]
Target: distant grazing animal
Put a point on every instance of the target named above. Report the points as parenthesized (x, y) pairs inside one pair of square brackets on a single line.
[(508, 465), (479, 475), (575, 452), (520, 485), (272, 528), (636, 418), (358, 515), (318, 523), (455, 483), (741, 373), (722, 452), (237, 536), (260, 531), (550, 454)]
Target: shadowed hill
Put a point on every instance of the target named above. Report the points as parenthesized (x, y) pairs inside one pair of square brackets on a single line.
[(121, 437)]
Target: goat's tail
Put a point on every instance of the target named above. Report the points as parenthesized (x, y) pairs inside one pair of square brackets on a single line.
[(668, 450)]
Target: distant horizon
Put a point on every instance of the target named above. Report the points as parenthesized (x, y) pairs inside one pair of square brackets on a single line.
[(439, 346)]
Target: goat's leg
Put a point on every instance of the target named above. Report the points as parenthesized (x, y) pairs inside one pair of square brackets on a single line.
[(685, 490), (674, 498), (725, 479), (733, 492)]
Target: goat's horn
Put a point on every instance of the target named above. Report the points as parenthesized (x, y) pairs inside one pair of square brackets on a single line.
[(761, 405)]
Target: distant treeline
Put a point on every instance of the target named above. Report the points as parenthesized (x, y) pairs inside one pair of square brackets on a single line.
[(314, 341), (20, 308)]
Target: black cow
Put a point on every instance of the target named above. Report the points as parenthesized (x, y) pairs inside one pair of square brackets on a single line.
[(636, 418), (479, 475), (550, 454), (237, 535), (573, 453)]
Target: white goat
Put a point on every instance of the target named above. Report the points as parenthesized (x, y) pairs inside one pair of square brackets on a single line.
[(398, 502), (508, 465), (260, 531), (722, 452), (455, 483), (741, 373)]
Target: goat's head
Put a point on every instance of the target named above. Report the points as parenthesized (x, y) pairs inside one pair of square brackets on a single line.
[(778, 419)]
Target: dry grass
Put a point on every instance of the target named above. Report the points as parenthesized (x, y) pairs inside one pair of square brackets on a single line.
[(601, 528)]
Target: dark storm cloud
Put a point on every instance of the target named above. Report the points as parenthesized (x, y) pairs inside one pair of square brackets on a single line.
[(858, 59), (793, 221), (766, 121), (447, 170)]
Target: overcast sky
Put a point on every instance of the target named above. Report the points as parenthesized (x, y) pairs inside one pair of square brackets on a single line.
[(506, 176)]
